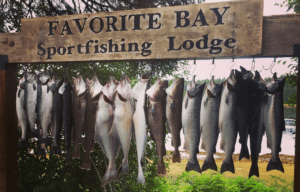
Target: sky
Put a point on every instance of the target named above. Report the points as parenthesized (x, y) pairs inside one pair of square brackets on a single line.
[(203, 68)]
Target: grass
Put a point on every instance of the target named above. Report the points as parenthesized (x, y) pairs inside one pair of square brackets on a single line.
[(273, 179)]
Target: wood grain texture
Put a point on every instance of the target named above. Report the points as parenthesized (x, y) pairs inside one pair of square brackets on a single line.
[(11, 45), (242, 21)]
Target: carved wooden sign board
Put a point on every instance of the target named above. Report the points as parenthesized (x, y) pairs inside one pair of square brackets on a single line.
[(224, 29)]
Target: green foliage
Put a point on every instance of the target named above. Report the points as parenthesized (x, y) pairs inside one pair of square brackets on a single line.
[(213, 181), (291, 4)]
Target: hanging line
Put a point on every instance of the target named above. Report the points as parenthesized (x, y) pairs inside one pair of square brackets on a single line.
[(213, 63), (66, 69), (195, 67), (271, 66), (233, 63)]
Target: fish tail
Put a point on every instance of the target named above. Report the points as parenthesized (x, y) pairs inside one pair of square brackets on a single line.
[(161, 168), (141, 177), (209, 165), (254, 170), (193, 166), (275, 165), (86, 162), (76, 152), (110, 175), (227, 166), (244, 153), (176, 158), (23, 143), (124, 168), (55, 150), (41, 152)]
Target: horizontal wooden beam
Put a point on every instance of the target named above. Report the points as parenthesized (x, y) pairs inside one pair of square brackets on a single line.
[(280, 33)]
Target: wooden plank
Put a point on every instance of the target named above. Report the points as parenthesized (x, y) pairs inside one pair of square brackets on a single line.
[(11, 45), (280, 33), (8, 125), (84, 37)]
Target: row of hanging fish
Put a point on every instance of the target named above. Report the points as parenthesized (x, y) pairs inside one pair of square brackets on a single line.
[(242, 104), (109, 115)]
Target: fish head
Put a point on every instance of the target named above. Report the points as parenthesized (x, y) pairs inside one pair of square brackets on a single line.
[(234, 80), (213, 89), (246, 74), (44, 77), (79, 85), (22, 82), (194, 89), (31, 76), (94, 86), (124, 88), (176, 88), (140, 87), (275, 85), (157, 90), (109, 89)]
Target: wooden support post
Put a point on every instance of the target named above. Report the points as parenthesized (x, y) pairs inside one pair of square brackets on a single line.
[(8, 125), (297, 137)]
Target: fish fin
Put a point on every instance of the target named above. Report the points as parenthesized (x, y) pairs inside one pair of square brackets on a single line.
[(19, 92), (161, 168), (254, 170), (203, 146), (244, 153), (113, 131), (193, 167), (275, 165), (205, 102), (209, 165), (186, 102), (227, 166), (34, 86), (222, 144), (172, 106), (176, 158), (110, 175), (210, 95)]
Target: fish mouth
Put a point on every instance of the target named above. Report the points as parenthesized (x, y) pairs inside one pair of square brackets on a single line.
[(107, 100), (121, 97)]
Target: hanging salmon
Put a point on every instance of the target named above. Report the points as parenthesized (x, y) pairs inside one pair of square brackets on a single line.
[(191, 122), (93, 93), (122, 127), (139, 121), (66, 91), (227, 119), (44, 109), (30, 99), (256, 129), (173, 114), (21, 113), (104, 119), (57, 115), (157, 119), (274, 120), (209, 122), (79, 110)]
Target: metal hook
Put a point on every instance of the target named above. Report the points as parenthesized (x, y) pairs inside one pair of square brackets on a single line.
[(194, 61), (195, 68), (213, 63), (271, 66), (232, 62), (253, 65)]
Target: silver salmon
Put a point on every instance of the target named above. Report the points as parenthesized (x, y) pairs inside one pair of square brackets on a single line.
[(157, 119), (93, 93), (274, 120), (122, 127), (30, 99), (21, 113), (104, 119), (44, 109), (139, 121), (79, 109), (209, 122), (256, 129), (173, 114), (191, 122), (227, 119)]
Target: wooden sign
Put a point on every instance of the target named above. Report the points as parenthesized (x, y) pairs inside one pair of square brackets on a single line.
[(224, 29)]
